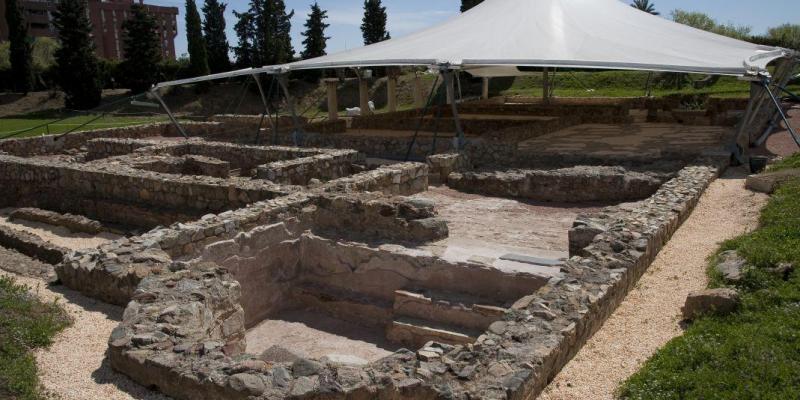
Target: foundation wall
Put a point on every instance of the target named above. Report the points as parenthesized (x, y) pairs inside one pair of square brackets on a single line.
[(123, 195), (51, 144), (334, 164), (570, 185)]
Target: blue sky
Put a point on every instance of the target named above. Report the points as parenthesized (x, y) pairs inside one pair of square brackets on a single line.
[(406, 16)]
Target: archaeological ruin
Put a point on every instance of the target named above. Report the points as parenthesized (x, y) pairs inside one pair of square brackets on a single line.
[(251, 268)]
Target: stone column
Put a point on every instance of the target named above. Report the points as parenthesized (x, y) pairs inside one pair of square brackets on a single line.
[(545, 86), (391, 93), (419, 95), (485, 91), (363, 96), (451, 91), (333, 100)]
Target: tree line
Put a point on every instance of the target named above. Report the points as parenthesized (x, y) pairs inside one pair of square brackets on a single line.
[(263, 35)]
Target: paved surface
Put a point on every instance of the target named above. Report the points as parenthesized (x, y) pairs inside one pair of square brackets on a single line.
[(639, 139), (649, 316)]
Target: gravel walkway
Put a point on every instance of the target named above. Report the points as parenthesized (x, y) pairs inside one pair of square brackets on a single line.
[(649, 316), (74, 367)]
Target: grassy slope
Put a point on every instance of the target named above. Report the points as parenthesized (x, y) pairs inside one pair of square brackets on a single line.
[(25, 324), (755, 353), (787, 163), (9, 125)]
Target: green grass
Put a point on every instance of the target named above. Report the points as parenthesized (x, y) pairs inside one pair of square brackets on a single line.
[(11, 125), (754, 353), (790, 162), (25, 324)]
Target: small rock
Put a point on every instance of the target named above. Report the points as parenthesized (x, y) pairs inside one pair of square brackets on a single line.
[(343, 359), (731, 265), (247, 383), (710, 301), (278, 354), (306, 367)]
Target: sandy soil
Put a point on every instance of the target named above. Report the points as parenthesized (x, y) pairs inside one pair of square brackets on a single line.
[(315, 335), (74, 367), (58, 235), (649, 316), (503, 221)]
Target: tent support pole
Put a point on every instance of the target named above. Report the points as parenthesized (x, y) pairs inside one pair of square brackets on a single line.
[(169, 113), (448, 80), (765, 84), (266, 108), (422, 118), (297, 132)]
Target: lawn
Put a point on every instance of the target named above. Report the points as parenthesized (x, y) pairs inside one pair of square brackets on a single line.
[(25, 324), (754, 353), (9, 126)]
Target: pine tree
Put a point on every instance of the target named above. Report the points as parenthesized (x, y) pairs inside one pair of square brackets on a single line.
[(315, 40), (244, 49), (467, 4), (77, 63), (20, 49), (282, 23), (373, 26), (216, 40), (198, 58), (142, 49)]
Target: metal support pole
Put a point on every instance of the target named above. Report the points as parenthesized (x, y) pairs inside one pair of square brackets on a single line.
[(765, 84), (297, 132), (264, 101), (155, 94), (448, 80)]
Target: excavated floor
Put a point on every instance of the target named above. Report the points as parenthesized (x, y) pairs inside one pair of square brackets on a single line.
[(314, 335)]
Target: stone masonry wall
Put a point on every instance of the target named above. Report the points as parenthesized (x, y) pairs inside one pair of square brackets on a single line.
[(513, 359), (333, 164), (568, 185)]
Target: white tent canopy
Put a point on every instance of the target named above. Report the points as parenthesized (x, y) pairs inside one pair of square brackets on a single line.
[(497, 36)]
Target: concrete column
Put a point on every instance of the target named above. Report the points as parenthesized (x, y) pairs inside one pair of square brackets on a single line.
[(419, 94), (333, 100), (391, 93), (363, 96), (485, 91)]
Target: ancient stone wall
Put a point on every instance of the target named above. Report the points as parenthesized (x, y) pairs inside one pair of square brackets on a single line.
[(124, 195), (514, 359), (333, 164), (52, 144), (568, 185), (31, 245), (396, 179)]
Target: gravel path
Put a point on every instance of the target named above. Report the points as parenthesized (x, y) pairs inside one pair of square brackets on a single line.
[(649, 316), (74, 367)]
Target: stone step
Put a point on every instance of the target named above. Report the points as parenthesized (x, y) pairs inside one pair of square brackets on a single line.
[(343, 304), (415, 332), (450, 308)]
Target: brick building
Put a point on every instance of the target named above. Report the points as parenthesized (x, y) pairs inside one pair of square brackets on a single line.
[(106, 17)]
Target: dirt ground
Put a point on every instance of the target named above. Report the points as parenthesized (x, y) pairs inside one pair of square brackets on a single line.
[(58, 235), (649, 316)]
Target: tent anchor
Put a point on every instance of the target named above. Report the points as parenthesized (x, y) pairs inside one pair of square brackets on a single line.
[(266, 109), (297, 131), (155, 94), (448, 81), (765, 83)]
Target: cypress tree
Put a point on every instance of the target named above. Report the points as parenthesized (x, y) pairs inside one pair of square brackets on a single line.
[(198, 58), (142, 49), (216, 40), (315, 40), (282, 21), (20, 49), (77, 63), (467, 4), (373, 26), (244, 49)]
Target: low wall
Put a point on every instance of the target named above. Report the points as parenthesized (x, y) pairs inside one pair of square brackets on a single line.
[(396, 179), (124, 195), (43, 145), (31, 245), (333, 164), (568, 185)]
